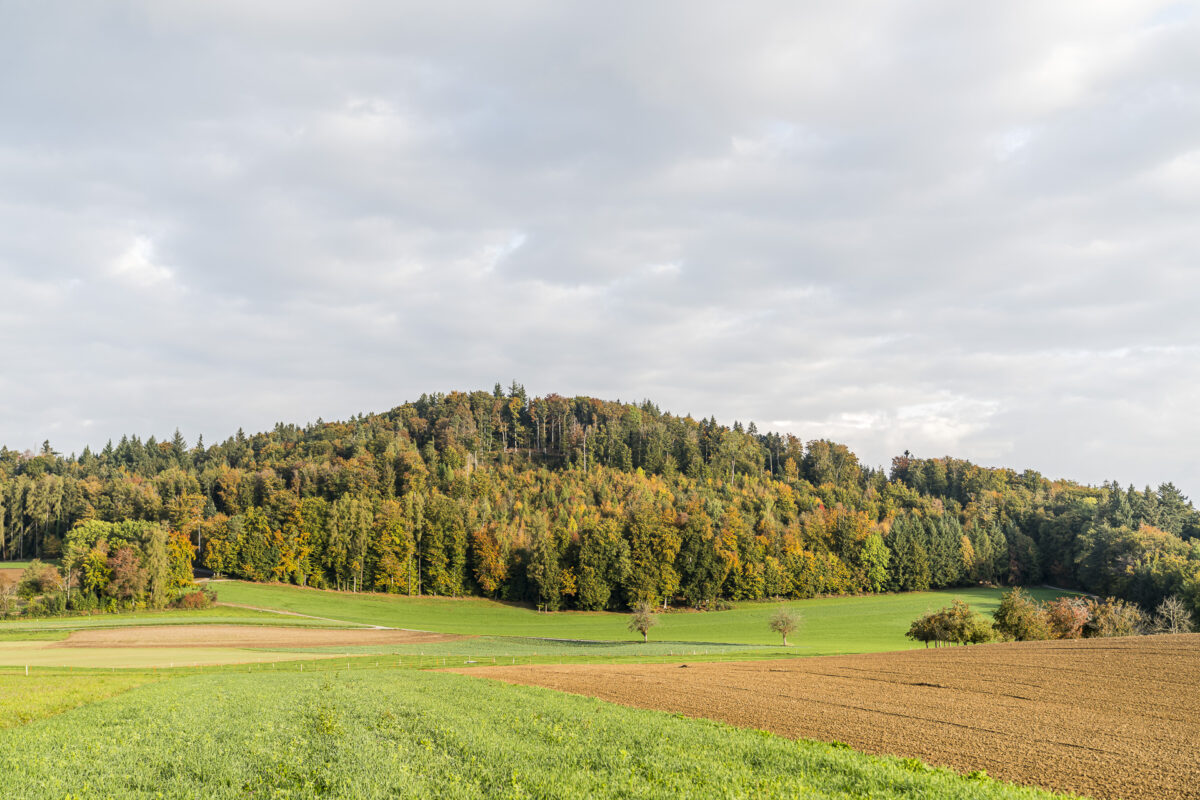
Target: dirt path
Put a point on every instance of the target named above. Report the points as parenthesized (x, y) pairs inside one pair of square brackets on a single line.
[(1106, 718), (244, 636)]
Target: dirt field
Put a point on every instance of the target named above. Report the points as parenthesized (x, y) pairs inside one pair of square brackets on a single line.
[(1106, 718), (244, 636)]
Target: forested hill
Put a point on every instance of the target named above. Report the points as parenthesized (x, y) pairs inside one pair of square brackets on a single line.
[(583, 503)]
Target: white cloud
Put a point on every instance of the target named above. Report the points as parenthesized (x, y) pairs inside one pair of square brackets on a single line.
[(790, 212), (136, 266)]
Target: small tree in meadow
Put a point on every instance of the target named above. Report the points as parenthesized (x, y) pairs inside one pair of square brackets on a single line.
[(642, 620), (785, 622)]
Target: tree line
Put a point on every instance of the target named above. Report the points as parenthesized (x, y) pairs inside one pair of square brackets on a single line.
[(589, 504), (1021, 618)]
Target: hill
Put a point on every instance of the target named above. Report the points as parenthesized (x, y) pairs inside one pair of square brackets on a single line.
[(579, 503)]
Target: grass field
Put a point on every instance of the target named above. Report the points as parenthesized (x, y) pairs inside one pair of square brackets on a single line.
[(19, 564), (24, 698), (218, 615), (404, 733), (832, 625), (521, 646)]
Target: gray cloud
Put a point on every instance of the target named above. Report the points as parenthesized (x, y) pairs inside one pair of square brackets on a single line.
[(947, 228)]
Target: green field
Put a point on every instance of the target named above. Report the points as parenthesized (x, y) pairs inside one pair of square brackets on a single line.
[(218, 615), (831, 624), (405, 733), (24, 698), (523, 646), (20, 564)]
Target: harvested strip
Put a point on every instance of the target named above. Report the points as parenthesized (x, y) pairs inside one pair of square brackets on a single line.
[(1108, 718), (245, 636)]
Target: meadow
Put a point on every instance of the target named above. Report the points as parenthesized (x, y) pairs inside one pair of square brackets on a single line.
[(832, 625), (29, 697), (58, 627), (407, 733)]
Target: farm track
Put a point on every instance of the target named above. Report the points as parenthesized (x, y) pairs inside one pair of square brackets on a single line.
[(1107, 718)]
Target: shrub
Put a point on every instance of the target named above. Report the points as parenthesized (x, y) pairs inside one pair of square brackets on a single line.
[(1020, 617), (956, 623), (1112, 617), (39, 578), (201, 598), (1067, 617), (8, 595), (1172, 616)]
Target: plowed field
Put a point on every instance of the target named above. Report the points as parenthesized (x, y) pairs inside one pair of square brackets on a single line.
[(1109, 718), (245, 636)]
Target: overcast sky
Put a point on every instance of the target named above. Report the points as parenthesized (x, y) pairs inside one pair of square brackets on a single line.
[(957, 228)]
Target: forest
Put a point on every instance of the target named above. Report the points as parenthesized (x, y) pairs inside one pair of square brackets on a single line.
[(576, 503)]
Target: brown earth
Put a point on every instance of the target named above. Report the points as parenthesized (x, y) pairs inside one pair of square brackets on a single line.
[(12, 575), (245, 636), (1106, 718)]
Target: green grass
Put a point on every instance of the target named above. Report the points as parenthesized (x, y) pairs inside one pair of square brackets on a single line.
[(21, 564), (403, 734), (831, 625), (24, 698), (520, 646), (218, 615)]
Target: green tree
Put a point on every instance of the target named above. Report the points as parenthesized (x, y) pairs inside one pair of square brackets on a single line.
[(784, 622), (642, 620), (875, 560)]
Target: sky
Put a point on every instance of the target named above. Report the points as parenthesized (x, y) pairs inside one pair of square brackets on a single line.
[(967, 229)]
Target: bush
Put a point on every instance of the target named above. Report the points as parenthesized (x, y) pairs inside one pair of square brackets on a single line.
[(957, 623), (1021, 617), (1172, 616), (39, 578), (1067, 617), (1112, 617), (201, 598)]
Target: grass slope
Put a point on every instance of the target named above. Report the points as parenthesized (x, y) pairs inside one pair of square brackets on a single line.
[(404, 734), (831, 624)]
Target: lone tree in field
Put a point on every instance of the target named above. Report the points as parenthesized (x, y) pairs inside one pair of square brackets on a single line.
[(784, 622), (642, 620)]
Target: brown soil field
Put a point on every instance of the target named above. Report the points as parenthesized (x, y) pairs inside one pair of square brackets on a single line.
[(1107, 718), (244, 636), (13, 575)]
